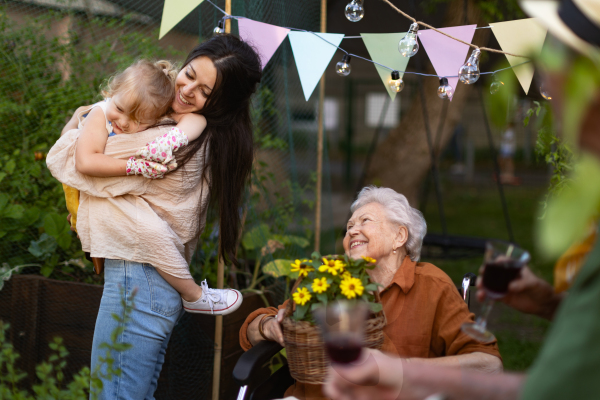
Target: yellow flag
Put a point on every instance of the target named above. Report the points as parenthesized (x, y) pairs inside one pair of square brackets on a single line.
[(173, 12), (524, 37)]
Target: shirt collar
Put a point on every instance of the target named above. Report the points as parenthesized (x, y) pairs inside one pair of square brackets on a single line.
[(405, 275)]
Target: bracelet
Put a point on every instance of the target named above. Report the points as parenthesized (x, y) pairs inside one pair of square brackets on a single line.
[(261, 324)]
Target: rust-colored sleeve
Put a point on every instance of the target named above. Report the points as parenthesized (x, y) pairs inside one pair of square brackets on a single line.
[(244, 342), (447, 336)]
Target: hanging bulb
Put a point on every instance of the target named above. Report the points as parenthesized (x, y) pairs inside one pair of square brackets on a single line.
[(355, 10), (219, 28), (409, 45), (496, 85), (343, 67), (545, 94), (469, 72), (445, 91), (396, 83)]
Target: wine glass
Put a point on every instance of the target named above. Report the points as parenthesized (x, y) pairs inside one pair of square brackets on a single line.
[(502, 264), (343, 326)]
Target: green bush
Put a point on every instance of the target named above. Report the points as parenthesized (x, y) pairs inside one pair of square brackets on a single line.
[(51, 383)]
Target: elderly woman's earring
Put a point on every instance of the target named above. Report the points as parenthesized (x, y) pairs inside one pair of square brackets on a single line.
[(394, 251)]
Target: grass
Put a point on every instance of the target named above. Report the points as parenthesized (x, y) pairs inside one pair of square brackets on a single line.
[(477, 211)]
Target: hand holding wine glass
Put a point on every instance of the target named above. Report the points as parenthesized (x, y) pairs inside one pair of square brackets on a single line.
[(503, 263)]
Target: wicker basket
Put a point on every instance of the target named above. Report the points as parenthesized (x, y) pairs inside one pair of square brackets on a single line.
[(305, 349)]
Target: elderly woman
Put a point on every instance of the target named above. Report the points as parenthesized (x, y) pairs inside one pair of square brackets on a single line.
[(423, 307)]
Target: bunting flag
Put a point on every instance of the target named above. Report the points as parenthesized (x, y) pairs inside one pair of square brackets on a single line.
[(313, 54), (173, 12), (447, 55), (383, 48), (265, 38), (525, 37)]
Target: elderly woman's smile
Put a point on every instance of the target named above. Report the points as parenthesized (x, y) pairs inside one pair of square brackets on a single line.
[(370, 233)]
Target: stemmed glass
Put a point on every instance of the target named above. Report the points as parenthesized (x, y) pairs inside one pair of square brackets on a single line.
[(343, 326), (502, 264)]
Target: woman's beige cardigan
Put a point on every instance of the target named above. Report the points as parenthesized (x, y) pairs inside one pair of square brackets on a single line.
[(131, 217)]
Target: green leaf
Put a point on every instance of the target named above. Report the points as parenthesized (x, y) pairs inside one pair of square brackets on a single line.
[(9, 167), (371, 287), (64, 241), (55, 225), (375, 307), (3, 201), (301, 311), (46, 270), (43, 247), (569, 213), (322, 297), (256, 238), (2, 176), (14, 211), (292, 240), (278, 268)]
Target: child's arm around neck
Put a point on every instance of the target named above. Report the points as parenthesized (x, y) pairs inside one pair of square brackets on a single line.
[(89, 156), (191, 124)]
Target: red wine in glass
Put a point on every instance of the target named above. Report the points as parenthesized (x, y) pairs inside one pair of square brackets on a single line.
[(343, 349), (502, 264), (498, 274)]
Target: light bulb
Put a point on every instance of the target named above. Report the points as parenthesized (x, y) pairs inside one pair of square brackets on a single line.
[(469, 72), (545, 94), (355, 10), (496, 85), (396, 83), (343, 67), (445, 91), (409, 45), (219, 28)]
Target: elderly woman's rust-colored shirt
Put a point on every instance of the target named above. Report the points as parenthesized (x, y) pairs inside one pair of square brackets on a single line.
[(424, 313)]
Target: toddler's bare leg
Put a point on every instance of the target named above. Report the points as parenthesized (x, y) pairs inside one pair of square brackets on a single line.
[(187, 288)]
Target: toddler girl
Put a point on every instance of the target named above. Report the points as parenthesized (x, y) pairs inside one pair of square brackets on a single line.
[(135, 100)]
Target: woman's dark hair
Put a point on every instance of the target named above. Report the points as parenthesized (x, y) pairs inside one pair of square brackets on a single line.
[(228, 134)]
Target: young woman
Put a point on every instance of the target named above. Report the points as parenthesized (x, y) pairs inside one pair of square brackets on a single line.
[(140, 224)]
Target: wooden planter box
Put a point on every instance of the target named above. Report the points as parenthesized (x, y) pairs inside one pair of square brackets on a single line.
[(38, 309)]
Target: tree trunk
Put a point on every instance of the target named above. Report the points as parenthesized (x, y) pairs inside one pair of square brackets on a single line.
[(402, 160)]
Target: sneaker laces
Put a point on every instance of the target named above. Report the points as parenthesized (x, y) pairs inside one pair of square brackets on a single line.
[(212, 296)]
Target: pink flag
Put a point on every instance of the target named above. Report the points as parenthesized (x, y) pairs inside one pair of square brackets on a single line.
[(265, 38), (447, 55)]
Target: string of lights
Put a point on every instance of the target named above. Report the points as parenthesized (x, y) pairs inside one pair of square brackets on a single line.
[(468, 73)]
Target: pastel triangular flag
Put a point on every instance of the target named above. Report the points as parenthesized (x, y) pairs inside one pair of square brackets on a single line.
[(173, 12), (524, 37), (313, 53), (446, 54), (265, 38), (383, 49)]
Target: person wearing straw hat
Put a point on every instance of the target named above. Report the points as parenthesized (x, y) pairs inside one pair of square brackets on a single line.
[(568, 364)]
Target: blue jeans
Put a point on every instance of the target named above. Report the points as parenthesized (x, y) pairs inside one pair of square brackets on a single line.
[(157, 309)]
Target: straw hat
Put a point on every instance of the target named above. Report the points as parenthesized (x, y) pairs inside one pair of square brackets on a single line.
[(574, 22)]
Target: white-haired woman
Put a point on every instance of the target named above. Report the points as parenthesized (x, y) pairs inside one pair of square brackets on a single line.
[(423, 307)]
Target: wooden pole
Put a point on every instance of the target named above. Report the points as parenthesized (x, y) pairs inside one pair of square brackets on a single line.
[(220, 275), (320, 140)]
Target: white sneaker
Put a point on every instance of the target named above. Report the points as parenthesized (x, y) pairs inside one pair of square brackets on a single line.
[(214, 301)]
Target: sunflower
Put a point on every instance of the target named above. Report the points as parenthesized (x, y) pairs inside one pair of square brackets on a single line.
[(320, 285), (301, 269), (332, 266), (302, 296), (351, 287), (369, 260), (346, 275)]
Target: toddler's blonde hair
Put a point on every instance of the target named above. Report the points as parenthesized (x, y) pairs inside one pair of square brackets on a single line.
[(150, 87)]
